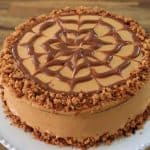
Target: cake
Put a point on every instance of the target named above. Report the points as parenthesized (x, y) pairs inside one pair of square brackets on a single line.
[(77, 77)]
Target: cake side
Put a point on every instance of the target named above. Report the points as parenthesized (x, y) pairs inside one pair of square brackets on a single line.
[(82, 124), (134, 123), (129, 128), (115, 94)]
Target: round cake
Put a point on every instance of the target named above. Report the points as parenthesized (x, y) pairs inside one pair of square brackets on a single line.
[(77, 76)]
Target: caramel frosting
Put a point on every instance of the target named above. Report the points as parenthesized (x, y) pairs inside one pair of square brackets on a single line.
[(81, 125), (75, 59), (78, 52), (75, 75)]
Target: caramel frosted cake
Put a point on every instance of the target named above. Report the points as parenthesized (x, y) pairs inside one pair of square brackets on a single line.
[(77, 76)]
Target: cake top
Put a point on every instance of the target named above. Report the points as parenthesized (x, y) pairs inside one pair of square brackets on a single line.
[(81, 54), (78, 52)]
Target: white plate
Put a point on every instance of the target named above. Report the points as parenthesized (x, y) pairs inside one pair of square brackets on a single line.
[(16, 139)]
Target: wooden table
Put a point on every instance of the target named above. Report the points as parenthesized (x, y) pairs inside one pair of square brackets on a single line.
[(13, 12), (2, 148)]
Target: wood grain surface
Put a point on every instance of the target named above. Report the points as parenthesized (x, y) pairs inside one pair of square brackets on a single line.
[(2, 147), (13, 12)]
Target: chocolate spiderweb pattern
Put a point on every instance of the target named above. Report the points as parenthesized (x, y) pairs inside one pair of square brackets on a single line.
[(78, 53)]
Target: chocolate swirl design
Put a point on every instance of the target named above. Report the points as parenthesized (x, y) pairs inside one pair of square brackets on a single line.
[(78, 53)]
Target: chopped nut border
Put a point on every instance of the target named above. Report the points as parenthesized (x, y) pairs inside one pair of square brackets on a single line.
[(12, 76)]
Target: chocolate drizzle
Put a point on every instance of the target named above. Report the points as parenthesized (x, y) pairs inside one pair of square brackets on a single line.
[(83, 46)]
